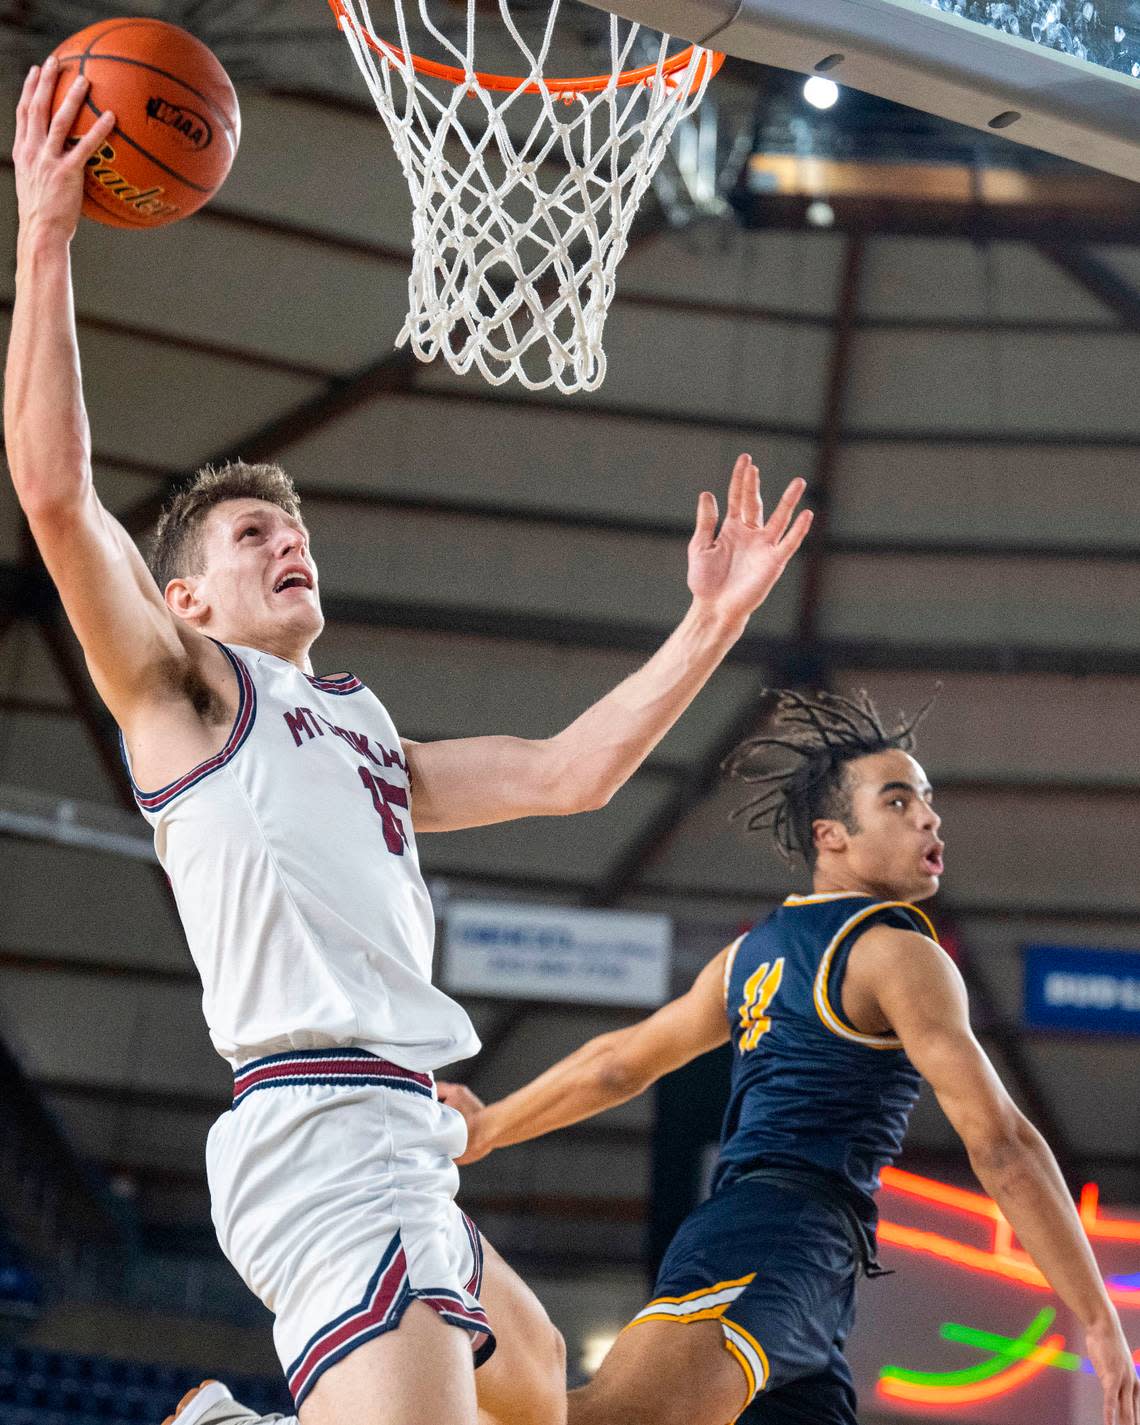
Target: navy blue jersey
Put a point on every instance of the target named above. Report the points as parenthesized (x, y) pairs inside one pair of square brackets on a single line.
[(809, 1091)]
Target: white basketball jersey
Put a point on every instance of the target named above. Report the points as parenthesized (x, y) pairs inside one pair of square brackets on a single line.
[(294, 865)]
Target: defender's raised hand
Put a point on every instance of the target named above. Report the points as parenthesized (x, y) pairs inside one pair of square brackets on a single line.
[(49, 173), (732, 570)]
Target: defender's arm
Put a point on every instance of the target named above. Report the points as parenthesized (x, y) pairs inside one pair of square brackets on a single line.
[(606, 1071), (110, 598), (480, 780), (921, 995)]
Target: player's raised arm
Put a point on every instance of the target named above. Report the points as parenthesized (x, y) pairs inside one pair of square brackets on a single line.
[(476, 781), (604, 1072), (112, 601), (921, 996)]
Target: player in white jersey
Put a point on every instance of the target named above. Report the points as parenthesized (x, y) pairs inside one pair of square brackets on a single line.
[(285, 810)]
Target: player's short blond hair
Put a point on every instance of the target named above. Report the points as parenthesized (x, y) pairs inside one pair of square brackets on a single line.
[(177, 548)]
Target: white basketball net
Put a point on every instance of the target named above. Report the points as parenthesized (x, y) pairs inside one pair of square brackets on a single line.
[(518, 229)]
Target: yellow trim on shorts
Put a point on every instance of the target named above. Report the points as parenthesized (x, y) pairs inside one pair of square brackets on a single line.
[(745, 1345), (705, 1313), (742, 1361), (701, 1291), (823, 1006), (756, 1346)]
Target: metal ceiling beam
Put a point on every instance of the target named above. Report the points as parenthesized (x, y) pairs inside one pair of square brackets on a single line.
[(626, 870), (754, 649), (692, 308), (664, 419), (26, 592), (38, 963), (128, 1096), (194, 346), (103, 737), (392, 373), (638, 526), (821, 487), (966, 908), (1099, 280), (88, 710), (689, 308)]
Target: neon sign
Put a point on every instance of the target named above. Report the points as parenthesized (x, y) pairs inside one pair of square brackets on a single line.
[(1000, 1258), (1008, 1362)]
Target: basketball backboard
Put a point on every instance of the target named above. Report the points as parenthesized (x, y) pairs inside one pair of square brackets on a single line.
[(1059, 75)]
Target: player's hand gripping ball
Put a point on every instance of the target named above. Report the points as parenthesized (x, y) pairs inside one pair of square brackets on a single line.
[(177, 121)]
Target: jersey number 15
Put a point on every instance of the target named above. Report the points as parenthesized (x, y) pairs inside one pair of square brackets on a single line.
[(384, 797)]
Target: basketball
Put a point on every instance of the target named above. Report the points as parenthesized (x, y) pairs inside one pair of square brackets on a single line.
[(177, 120)]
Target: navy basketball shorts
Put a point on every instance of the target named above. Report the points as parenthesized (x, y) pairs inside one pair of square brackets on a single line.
[(778, 1271)]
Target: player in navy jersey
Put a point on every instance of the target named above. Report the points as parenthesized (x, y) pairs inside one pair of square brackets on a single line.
[(836, 1006)]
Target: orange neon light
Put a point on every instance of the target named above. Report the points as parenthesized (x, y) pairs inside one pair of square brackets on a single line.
[(1112, 1229), (1001, 1384), (1001, 1258), (976, 1204), (978, 1259), (930, 1190)]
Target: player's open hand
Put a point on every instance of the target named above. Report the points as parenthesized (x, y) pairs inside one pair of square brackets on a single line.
[(732, 570), (49, 173), (1116, 1370), (460, 1097)]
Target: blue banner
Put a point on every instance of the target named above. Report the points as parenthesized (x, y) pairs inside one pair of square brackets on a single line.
[(1070, 988)]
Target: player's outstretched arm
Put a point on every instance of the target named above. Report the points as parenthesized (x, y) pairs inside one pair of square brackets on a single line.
[(108, 593), (606, 1071), (476, 781), (920, 994)]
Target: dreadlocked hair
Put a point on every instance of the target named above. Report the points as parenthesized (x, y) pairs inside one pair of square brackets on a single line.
[(800, 759)]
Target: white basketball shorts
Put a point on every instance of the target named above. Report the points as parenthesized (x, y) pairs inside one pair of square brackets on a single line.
[(332, 1190)]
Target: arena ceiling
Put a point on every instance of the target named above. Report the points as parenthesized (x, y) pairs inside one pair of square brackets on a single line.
[(958, 384)]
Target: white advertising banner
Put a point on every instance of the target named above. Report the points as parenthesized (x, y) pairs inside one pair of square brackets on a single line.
[(557, 953)]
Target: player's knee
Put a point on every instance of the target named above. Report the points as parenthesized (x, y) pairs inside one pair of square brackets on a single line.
[(538, 1392)]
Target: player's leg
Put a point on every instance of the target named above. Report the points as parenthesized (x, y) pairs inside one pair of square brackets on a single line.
[(826, 1398), (524, 1382), (664, 1373), (420, 1374), (753, 1296)]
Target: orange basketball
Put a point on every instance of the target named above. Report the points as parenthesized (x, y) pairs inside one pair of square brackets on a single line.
[(177, 120)]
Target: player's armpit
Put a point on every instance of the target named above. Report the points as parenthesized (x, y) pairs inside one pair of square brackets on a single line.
[(133, 644)]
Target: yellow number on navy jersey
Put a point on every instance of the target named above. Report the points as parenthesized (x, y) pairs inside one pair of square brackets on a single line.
[(759, 991)]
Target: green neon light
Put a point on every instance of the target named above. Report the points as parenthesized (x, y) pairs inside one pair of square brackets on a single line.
[(1003, 1345), (1023, 1346)]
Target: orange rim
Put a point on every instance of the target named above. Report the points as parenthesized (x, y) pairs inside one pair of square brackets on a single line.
[(568, 88)]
